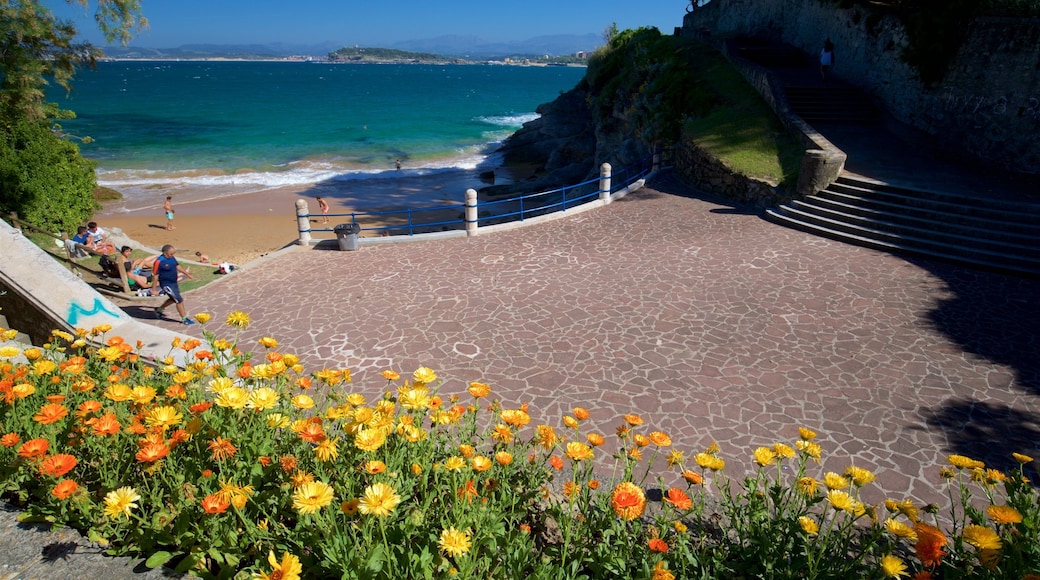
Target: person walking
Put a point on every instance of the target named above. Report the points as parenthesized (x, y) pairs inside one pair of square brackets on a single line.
[(168, 208), (324, 207), (165, 271), (826, 58)]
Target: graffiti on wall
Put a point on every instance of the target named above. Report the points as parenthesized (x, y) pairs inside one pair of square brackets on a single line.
[(76, 311), (1028, 108)]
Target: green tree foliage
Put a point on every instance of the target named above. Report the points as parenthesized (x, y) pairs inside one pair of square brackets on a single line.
[(648, 80), (43, 177)]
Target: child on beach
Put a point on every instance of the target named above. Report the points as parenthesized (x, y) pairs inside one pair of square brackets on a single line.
[(168, 208), (324, 206)]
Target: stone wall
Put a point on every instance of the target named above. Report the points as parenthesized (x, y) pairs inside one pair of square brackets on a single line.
[(987, 107), (703, 171)]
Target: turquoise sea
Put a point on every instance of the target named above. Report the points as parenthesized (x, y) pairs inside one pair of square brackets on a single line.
[(206, 129)]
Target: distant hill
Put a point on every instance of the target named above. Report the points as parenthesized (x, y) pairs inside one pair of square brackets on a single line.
[(468, 47), (357, 54)]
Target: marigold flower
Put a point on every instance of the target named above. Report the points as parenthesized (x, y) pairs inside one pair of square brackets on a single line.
[(60, 464), (657, 545), (556, 462), (764, 456), (215, 504), (390, 375), (379, 500), (327, 450), (661, 573), (811, 449), (22, 390), (515, 417), (121, 502), (982, 537), (479, 390), (1022, 459), (859, 476), (930, 544), (660, 439), (9, 351), (424, 375), (163, 417), (64, 489), (222, 449), (262, 399), (289, 568), (806, 434), (453, 542), (34, 448), (708, 461), (107, 424), (570, 422), (480, 463), (962, 462), (311, 497), (641, 440), (633, 420), (675, 457), (10, 439), (238, 319), (303, 402), (581, 413), (893, 566), (901, 530), (1004, 514), (595, 439), (369, 439), (50, 413), (578, 451), (840, 500), (809, 525), (151, 452), (350, 507), (628, 500), (678, 498), (233, 398), (834, 481), (415, 399)]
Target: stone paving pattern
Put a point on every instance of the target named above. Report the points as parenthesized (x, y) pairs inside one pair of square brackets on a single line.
[(710, 322)]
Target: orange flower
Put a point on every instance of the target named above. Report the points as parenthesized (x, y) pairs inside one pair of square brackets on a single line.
[(930, 544), (633, 420), (152, 451), (556, 462), (200, 407), (215, 504), (678, 498), (693, 477), (595, 439), (304, 383), (34, 448), (64, 489), (222, 449), (660, 439), (179, 436), (57, 465), (287, 463), (657, 545), (469, 491), (10, 439), (478, 390), (88, 407), (106, 425), (581, 413), (50, 413), (628, 500), (312, 433)]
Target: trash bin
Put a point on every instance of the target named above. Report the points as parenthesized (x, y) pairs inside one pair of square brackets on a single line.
[(347, 236)]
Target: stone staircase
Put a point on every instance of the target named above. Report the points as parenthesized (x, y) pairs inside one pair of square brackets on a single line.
[(994, 234), (832, 104)]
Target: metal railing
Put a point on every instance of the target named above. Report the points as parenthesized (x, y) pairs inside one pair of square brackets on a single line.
[(422, 220)]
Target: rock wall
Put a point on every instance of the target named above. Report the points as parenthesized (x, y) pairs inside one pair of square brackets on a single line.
[(987, 107), (699, 169)]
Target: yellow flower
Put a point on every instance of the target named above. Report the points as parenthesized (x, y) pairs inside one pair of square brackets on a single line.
[(806, 434), (311, 497), (9, 351), (268, 342), (262, 399), (834, 481), (783, 451), (899, 529), (369, 439), (453, 542), (163, 417), (807, 486), (1004, 514), (118, 393), (570, 422), (238, 319), (859, 476), (893, 566), (424, 375), (578, 451), (142, 395), (288, 569), (515, 417), (479, 390), (203, 317), (809, 525), (810, 448), (504, 458), (480, 463), (183, 377), (982, 537), (121, 502), (1021, 459), (32, 353), (840, 500), (220, 384), (660, 439), (374, 467), (595, 439), (962, 462), (327, 450), (676, 457), (415, 399), (233, 398), (379, 500), (303, 402), (765, 456), (633, 419), (454, 463), (277, 421)]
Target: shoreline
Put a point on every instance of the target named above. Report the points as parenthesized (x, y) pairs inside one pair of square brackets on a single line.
[(242, 227)]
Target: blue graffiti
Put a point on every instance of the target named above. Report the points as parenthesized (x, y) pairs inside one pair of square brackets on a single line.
[(75, 310)]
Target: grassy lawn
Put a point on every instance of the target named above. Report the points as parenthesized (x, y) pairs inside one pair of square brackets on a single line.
[(742, 131)]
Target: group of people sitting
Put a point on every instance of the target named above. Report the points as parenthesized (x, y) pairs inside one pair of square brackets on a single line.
[(138, 270)]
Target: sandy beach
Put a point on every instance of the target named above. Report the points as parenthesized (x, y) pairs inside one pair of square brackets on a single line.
[(242, 227)]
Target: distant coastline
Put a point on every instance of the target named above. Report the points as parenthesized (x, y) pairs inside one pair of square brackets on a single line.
[(322, 60)]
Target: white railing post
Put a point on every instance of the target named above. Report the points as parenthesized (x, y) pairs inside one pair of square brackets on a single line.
[(302, 222), (604, 183), (471, 212)]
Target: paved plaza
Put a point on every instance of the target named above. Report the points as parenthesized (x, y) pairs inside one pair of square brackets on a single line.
[(710, 322)]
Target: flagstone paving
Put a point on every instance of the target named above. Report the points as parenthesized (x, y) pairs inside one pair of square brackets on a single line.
[(708, 321)]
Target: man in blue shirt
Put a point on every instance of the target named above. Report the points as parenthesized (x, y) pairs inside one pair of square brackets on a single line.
[(164, 275)]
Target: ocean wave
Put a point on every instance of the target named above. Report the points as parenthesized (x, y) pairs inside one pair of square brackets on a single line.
[(516, 120)]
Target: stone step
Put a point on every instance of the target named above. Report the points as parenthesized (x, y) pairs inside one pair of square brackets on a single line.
[(1030, 208)]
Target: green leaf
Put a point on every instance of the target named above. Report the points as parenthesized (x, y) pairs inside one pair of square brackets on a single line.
[(157, 559), (96, 537), (375, 560)]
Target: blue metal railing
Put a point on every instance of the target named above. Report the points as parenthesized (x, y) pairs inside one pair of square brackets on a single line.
[(414, 221)]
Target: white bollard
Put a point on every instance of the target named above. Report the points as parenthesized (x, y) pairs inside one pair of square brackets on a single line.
[(604, 183), (302, 222), (471, 212)]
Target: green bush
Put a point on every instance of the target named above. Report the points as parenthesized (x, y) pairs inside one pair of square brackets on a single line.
[(43, 177)]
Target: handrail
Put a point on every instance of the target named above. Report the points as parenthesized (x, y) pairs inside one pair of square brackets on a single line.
[(406, 221)]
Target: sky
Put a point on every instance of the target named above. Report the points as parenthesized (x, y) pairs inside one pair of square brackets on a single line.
[(374, 23)]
